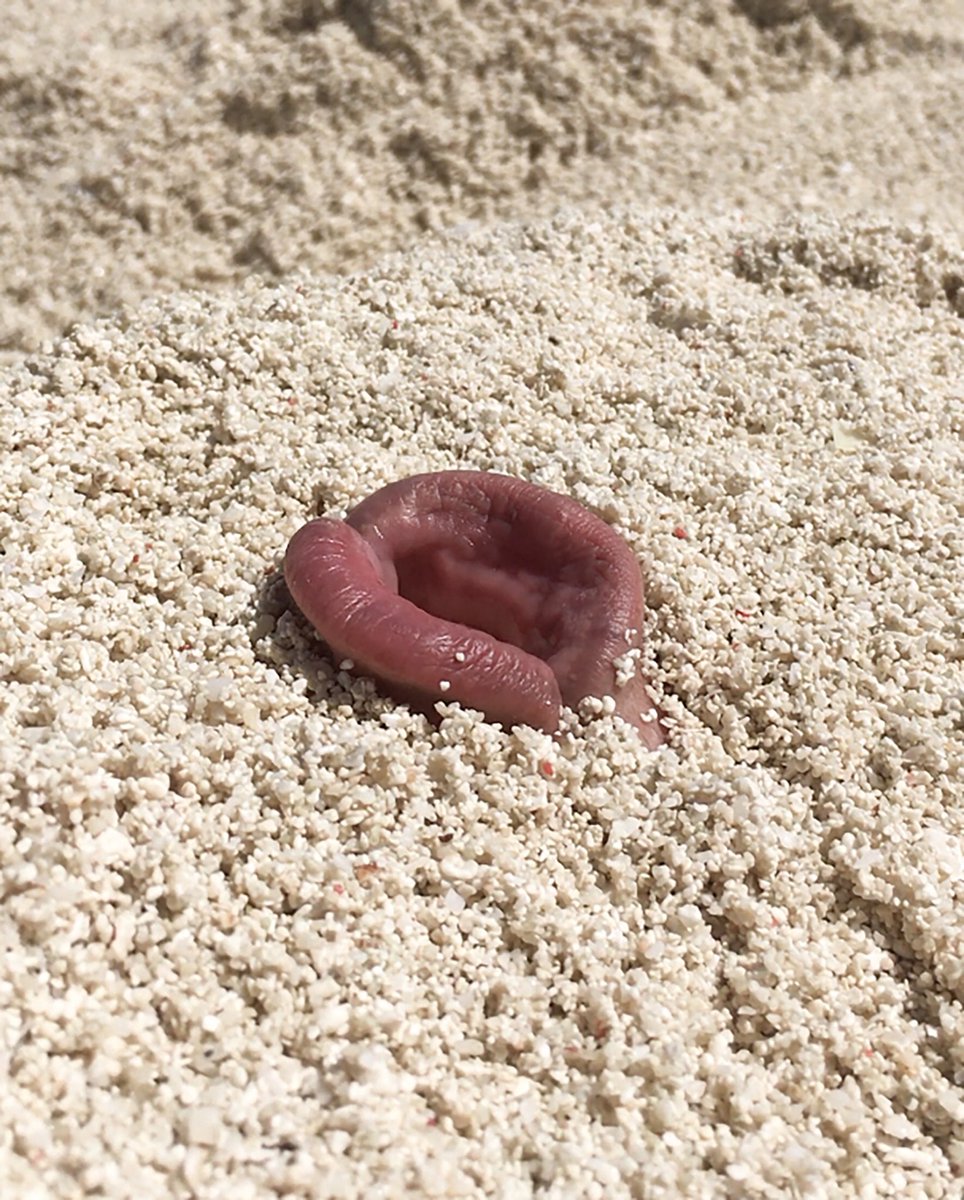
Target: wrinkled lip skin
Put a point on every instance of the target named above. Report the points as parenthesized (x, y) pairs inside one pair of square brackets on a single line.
[(481, 588)]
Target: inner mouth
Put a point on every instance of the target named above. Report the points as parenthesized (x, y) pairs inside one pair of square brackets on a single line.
[(493, 592)]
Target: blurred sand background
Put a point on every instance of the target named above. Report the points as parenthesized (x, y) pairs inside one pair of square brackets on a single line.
[(264, 933), (161, 146)]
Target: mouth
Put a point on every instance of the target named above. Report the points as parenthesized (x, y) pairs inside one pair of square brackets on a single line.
[(481, 588)]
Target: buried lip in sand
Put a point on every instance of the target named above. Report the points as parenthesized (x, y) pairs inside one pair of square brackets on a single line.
[(267, 932), (476, 587)]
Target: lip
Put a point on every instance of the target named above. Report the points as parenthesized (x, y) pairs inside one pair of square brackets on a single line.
[(477, 587)]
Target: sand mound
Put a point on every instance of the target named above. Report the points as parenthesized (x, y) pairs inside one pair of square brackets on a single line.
[(175, 145), (265, 933)]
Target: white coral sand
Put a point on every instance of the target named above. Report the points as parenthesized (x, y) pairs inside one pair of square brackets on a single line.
[(266, 934)]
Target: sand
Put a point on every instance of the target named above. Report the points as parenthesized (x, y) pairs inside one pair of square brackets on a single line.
[(267, 934), (148, 146)]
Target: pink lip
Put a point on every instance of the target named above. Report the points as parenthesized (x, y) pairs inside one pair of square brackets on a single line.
[(480, 588)]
